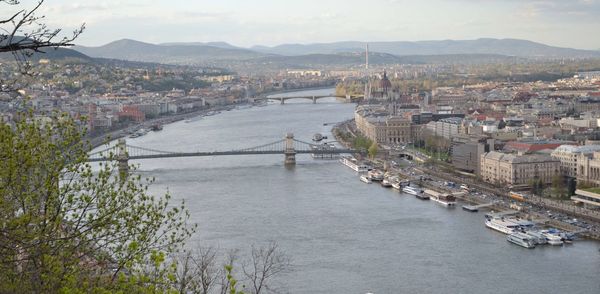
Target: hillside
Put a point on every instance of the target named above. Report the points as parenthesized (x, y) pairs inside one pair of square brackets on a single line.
[(177, 53), (510, 47)]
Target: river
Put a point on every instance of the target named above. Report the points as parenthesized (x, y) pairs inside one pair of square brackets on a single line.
[(342, 235)]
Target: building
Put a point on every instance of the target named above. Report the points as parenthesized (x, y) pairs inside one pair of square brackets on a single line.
[(131, 112), (588, 168), (466, 156), (379, 126), (568, 155), (467, 151), (446, 127), (426, 117), (513, 169)]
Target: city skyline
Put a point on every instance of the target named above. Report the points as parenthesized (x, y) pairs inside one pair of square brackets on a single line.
[(270, 23)]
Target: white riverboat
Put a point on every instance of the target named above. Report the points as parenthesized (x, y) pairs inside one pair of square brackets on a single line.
[(139, 133), (412, 190), (521, 239), (442, 198), (501, 225), (552, 237), (386, 183), (352, 163), (537, 237), (365, 179), (376, 175)]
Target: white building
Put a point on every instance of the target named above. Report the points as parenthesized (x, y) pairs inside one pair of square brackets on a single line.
[(446, 127), (568, 155)]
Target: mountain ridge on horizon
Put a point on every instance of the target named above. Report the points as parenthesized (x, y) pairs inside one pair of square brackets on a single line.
[(317, 53)]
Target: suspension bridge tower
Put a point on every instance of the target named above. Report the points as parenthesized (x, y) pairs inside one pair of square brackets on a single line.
[(290, 152), (123, 159)]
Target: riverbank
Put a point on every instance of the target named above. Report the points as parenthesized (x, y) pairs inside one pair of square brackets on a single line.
[(104, 138), (122, 132), (537, 209)]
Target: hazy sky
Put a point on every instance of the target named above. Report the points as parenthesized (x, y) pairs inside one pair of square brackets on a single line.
[(567, 23)]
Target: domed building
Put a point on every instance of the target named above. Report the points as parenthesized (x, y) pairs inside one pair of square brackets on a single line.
[(382, 89), (384, 84)]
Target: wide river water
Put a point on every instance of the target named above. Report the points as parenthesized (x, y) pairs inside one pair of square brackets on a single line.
[(342, 235)]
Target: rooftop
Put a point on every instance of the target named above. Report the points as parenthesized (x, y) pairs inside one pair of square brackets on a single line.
[(514, 158), (586, 149)]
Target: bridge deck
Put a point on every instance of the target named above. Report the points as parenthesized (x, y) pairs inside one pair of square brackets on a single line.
[(224, 153)]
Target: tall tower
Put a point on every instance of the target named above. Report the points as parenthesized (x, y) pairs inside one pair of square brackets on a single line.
[(367, 59)]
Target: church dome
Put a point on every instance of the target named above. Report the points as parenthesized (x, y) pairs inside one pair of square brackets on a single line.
[(385, 83)]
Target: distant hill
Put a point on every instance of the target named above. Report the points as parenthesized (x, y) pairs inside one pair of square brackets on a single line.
[(223, 45), (177, 53), (50, 53), (510, 47), (221, 54), (354, 59), (61, 53)]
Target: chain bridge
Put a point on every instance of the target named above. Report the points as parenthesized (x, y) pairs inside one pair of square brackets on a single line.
[(288, 146)]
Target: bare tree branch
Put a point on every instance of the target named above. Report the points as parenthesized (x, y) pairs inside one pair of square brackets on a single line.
[(23, 34), (265, 264)]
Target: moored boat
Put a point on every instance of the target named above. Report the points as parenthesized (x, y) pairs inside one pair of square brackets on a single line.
[(386, 183), (352, 163), (521, 239), (412, 190), (318, 137), (375, 175), (501, 225), (443, 198), (138, 133), (552, 237), (365, 179), (536, 237)]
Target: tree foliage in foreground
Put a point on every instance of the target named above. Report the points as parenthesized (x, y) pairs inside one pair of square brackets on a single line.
[(65, 226)]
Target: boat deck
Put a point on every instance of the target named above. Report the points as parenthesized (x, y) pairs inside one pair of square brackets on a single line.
[(475, 208)]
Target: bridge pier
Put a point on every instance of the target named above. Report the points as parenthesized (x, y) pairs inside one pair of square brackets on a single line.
[(314, 99), (282, 101), (123, 159), (290, 152)]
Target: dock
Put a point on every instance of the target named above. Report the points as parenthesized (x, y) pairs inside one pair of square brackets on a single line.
[(475, 208), (501, 214)]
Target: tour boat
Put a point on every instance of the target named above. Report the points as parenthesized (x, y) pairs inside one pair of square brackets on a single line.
[(352, 163), (422, 196), (376, 175), (318, 137), (386, 183), (412, 190), (552, 237), (138, 133), (521, 239), (537, 237), (397, 186), (365, 179), (443, 198), (501, 225)]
